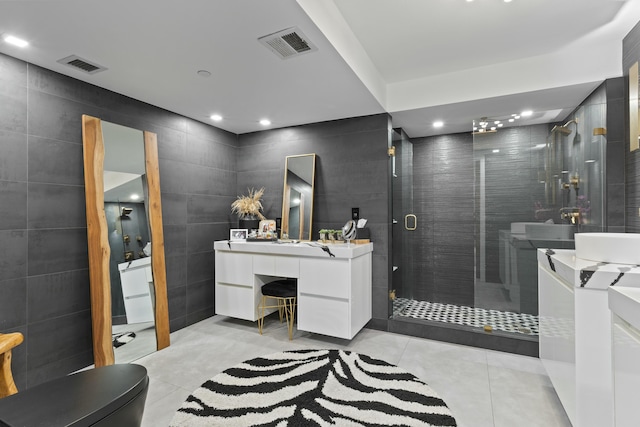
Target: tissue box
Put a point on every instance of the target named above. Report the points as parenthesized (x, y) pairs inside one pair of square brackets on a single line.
[(363, 233)]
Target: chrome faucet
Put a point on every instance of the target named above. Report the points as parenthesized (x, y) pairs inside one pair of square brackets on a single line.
[(572, 214)]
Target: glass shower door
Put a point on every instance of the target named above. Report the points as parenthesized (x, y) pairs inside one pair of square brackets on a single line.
[(405, 223)]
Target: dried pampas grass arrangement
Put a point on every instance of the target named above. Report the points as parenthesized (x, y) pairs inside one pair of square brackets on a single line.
[(249, 205)]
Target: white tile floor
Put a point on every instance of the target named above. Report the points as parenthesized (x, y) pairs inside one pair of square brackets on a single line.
[(143, 344), (482, 387)]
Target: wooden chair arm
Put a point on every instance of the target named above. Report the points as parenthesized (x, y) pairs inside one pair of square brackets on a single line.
[(9, 341)]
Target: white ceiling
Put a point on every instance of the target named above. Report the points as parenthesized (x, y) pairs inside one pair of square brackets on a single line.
[(419, 60)]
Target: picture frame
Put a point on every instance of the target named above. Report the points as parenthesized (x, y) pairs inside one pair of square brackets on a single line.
[(237, 234), (267, 225)]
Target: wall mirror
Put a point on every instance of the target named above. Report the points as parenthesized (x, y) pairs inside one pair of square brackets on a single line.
[(125, 242), (297, 198)]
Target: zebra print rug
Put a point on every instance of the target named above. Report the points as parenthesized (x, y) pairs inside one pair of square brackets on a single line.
[(314, 388), (121, 339)]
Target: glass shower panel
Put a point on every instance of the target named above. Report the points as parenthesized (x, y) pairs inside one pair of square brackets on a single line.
[(585, 158), (403, 274), (535, 187)]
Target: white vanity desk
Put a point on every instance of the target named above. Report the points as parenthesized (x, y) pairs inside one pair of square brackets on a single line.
[(334, 293)]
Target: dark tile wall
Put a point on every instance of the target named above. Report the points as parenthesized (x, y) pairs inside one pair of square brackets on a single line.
[(443, 244), (615, 175), (630, 55), (44, 285), (352, 170)]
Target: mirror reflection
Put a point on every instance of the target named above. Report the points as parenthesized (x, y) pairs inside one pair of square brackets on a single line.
[(126, 211), (297, 199)]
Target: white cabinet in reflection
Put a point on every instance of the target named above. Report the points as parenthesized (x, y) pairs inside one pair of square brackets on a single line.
[(137, 289)]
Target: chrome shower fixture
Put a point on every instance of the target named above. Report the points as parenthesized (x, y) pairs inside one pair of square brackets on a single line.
[(564, 129)]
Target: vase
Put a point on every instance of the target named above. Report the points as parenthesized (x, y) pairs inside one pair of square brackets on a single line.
[(249, 223)]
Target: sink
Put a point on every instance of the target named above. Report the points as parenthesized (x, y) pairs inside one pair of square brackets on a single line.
[(519, 227), (549, 231), (618, 248)]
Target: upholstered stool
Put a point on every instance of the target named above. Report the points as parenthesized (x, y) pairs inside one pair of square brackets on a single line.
[(284, 293)]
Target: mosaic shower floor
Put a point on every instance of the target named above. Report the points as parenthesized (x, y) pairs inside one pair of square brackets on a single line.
[(506, 321)]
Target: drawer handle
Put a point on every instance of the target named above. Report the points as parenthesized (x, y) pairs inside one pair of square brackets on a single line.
[(137, 296)]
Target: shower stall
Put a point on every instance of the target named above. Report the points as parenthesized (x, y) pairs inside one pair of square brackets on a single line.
[(470, 211)]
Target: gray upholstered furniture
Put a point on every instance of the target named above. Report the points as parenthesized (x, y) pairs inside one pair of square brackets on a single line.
[(108, 396)]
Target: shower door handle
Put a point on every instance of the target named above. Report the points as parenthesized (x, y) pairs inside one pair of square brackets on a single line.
[(406, 222)]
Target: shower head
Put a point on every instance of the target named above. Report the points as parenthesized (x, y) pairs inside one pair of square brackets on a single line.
[(563, 130)]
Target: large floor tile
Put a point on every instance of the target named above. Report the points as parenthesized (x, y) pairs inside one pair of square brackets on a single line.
[(524, 399), (160, 412), (457, 374)]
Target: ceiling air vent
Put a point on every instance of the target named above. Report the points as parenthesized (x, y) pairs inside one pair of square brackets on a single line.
[(81, 64), (288, 43)]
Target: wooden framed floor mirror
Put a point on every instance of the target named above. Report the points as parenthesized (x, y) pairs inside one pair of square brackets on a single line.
[(105, 161)]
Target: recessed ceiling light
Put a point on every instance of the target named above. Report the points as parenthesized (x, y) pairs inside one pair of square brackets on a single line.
[(134, 197), (589, 161), (540, 145), (265, 122), (493, 128), (204, 73), (507, 1), (438, 124), (512, 120), (500, 125), (516, 117), (526, 113), (216, 117), (16, 41), (496, 151)]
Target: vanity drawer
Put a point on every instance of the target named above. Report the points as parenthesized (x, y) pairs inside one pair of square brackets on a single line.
[(324, 316), (327, 277), (270, 265), (235, 301), (234, 268)]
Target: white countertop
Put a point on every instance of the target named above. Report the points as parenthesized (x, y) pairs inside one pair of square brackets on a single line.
[(311, 249), (589, 274), (140, 262), (624, 301)]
